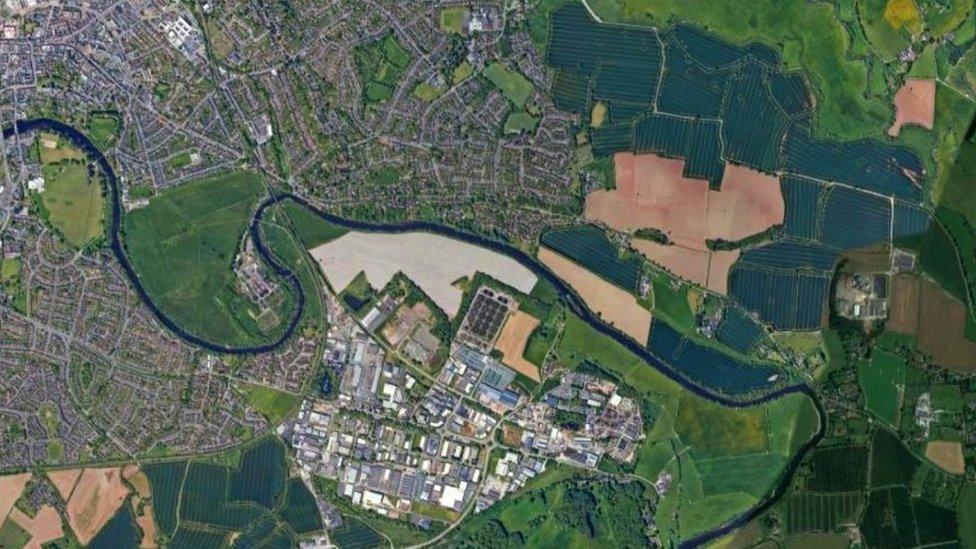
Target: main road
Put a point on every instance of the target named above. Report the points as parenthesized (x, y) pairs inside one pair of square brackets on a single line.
[(572, 300)]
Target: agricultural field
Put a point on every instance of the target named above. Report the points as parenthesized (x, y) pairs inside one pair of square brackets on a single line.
[(196, 230), (615, 306), (419, 256), (194, 498)]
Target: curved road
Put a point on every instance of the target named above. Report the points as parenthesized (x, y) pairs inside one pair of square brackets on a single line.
[(81, 141)]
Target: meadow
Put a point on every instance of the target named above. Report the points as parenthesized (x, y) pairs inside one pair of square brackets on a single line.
[(195, 230), (515, 87)]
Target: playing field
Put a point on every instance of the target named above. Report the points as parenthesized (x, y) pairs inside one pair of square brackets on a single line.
[(72, 202), (431, 261)]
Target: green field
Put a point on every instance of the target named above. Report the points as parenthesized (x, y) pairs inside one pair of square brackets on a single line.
[(807, 34), (72, 202), (515, 87), (572, 512), (883, 381), (273, 404), (452, 19), (426, 92), (195, 230), (519, 122), (381, 64), (103, 129), (12, 535)]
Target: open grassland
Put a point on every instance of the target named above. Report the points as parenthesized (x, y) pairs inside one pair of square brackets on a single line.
[(72, 202), (454, 19), (183, 245), (807, 34), (515, 87), (104, 128), (883, 381), (273, 404)]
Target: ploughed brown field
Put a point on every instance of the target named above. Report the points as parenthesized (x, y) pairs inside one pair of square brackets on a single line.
[(921, 308), (515, 334), (614, 305), (94, 501), (43, 528), (914, 105), (11, 486), (652, 193), (947, 455)]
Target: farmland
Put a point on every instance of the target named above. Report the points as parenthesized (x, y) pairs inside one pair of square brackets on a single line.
[(205, 497), (882, 379), (381, 256), (196, 230)]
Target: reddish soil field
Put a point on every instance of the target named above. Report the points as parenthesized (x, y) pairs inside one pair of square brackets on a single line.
[(64, 481), (914, 105), (903, 311), (43, 528), (11, 486), (96, 498), (652, 193), (921, 308)]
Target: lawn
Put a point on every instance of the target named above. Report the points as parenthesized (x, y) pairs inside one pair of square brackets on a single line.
[(72, 202), (426, 92), (452, 19), (461, 72), (519, 122), (183, 245), (273, 404), (807, 34), (103, 129), (52, 149), (883, 381), (515, 87)]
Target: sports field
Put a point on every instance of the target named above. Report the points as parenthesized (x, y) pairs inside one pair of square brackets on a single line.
[(72, 202), (513, 85), (183, 245)]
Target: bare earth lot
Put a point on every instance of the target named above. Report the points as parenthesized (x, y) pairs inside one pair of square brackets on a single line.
[(433, 262), (614, 305)]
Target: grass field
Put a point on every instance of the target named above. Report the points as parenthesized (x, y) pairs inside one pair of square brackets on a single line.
[(12, 535), (452, 19), (103, 129), (513, 85), (72, 202), (52, 149), (195, 230), (426, 92), (807, 34), (520, 121), (273, 404), (461, 72), (883, 379), (381, 64)]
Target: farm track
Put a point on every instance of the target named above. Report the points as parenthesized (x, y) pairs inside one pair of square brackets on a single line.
[(78, 139)]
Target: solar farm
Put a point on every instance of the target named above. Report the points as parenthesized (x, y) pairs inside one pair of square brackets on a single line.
[(681, 93)]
